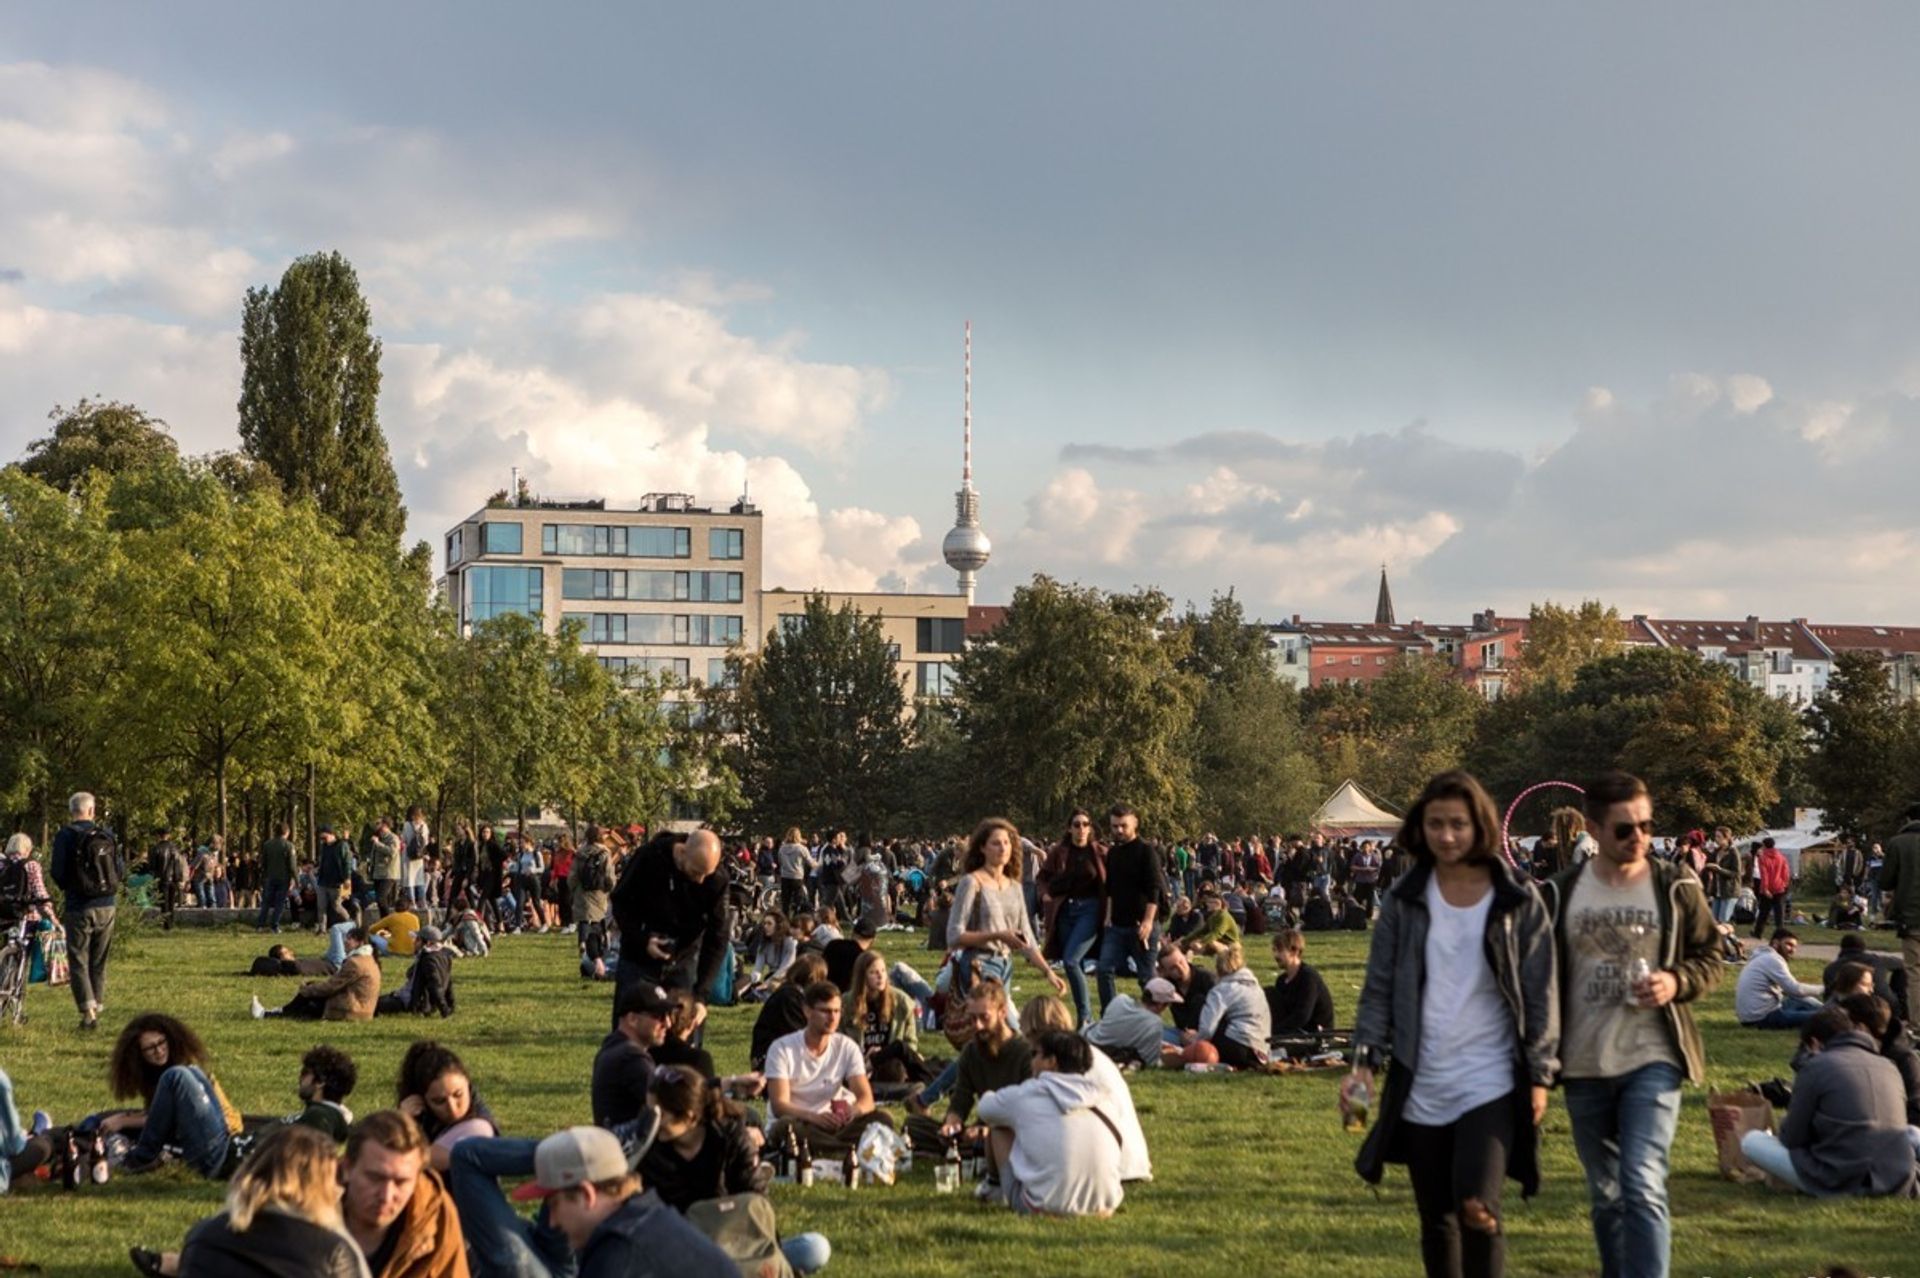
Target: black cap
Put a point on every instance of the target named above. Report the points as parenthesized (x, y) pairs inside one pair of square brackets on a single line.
[(865, 929), (643, 996)]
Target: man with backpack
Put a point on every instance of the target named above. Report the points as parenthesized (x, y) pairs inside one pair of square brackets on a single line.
[(168, 864), (592, 881), (88, 868)]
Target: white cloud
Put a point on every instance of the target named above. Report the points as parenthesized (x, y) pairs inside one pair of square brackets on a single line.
[(134, 237)]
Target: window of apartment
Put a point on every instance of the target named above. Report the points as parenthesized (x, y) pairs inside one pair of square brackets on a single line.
[(594, 583), (455, 540), (717, 676), (499, 539), (940, 634), (726, 543), (1329, 659), (792, 623), (1355, 660), (893, 652), (1379, 661), (601, 627), (660, 543), (492, 592), (711, 587), (933, 678), (713, 631)]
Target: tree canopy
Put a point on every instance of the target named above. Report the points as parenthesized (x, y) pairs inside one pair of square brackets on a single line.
[(309, 397), (102, 435)]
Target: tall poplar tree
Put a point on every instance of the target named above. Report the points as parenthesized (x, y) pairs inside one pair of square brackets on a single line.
[(309, 391)]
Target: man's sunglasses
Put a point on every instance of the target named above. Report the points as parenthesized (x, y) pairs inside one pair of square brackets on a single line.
[(1623, 830)]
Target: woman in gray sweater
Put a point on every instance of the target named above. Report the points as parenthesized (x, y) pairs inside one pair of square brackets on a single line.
[(989, 918)]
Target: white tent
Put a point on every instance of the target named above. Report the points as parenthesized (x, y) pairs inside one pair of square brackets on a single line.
[(1350, 812)]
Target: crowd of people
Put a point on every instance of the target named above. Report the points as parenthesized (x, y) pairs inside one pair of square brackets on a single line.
[(1496, 972)]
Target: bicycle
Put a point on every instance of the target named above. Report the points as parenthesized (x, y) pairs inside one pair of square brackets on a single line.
[(16, 959)]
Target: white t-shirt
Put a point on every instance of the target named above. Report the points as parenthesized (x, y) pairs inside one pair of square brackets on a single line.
[(1466, 1031), (814, 1082)]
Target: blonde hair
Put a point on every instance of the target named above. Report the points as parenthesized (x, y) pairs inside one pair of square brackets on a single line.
[(976, 853), (1232, 958), (1568, 825), (20, 844), (1044, 1012), (793, 835), (291, 1170)]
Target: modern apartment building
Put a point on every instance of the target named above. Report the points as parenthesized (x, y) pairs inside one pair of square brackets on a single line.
[(667, 587)]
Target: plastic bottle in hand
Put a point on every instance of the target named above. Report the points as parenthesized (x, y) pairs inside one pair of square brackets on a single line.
[(1639, 972), (1357, 1100)]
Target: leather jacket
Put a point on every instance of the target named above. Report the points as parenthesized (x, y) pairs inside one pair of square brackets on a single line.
[(276, 1245)]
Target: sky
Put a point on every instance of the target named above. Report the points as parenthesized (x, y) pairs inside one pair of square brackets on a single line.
[(1524, 301)]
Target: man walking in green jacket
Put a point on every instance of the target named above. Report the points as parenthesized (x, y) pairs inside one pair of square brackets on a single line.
[(276, 875), (1637, 944)]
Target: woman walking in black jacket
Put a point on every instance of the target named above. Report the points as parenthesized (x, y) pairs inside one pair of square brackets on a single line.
[(1461, 997)]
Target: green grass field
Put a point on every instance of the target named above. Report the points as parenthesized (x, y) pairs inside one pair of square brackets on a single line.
[(1253, 1175)]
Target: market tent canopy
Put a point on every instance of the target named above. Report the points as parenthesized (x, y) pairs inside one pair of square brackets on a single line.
[(1349, 811)]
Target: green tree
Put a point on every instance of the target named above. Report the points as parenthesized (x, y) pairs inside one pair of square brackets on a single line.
[(56, 561), (1560, 640), (309, 392), (1077, 699), (821, 721), (1394, 733), (225, 670), (97, 435), (1620, 711), (938, 795), (1252, 770), (1863, 766)]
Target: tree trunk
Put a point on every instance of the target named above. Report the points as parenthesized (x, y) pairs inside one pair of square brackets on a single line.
[(313, 829), (220, 796)]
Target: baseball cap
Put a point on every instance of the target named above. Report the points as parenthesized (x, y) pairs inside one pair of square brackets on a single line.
[(865, 929), (576, 1156), (643, 996), (1161, 990)]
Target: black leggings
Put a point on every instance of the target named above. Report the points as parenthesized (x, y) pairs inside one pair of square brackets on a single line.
[(1448, 1165)]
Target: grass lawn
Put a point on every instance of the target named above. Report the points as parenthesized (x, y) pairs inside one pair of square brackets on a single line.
[(1253, 1176)]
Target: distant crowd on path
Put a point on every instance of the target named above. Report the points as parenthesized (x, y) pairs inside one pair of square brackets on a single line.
[(1495, 973)]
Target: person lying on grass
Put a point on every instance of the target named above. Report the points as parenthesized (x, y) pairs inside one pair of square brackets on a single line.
[(350, 994), (160, 1060)]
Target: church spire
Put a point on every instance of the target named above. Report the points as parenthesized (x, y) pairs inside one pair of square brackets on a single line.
[(1383, 610)]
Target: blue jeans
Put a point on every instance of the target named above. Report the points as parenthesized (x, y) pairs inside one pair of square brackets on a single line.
[(501, 1243), (185, 1114), (203, 892), (1723, 909), (273, 903), (1623, 1128), (1791, 1014), (1079, 924), (940, 1086), (1122, 949)]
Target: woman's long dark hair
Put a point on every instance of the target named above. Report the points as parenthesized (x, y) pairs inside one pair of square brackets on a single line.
[(425, 1061), (127, 1071), (680, 1091), (1454, 784), (1066, 835)]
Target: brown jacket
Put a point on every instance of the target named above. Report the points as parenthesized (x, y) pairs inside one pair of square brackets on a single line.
[(351, 992), (430, 1243)]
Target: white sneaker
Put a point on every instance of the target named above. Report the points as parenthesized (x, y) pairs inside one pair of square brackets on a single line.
[(259, 1012)]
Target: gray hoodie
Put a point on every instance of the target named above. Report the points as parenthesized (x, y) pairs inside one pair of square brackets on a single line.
[(1066, 1160), (1847, 1126)]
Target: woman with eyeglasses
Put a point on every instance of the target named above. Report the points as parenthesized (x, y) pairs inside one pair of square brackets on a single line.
[(160, 1060), (1073, 885), (1460, 998)]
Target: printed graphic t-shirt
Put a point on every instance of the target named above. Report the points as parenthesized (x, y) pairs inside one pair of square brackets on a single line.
[(1607, 928)]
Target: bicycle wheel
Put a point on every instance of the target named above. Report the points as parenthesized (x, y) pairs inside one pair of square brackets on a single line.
[(13, 986)]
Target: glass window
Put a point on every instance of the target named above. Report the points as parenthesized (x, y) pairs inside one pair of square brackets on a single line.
[(717, 676), (714, 631), (726, 543), (711, 587), (660, 543), (941, 634), (576, 583), (499, 539), (792, 623), (492, 592), (933, 678), (455, 540)]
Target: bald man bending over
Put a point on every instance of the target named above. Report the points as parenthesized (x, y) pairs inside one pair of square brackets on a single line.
[(671, 905)]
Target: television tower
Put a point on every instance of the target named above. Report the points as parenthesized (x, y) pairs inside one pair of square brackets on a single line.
[(966, 549)]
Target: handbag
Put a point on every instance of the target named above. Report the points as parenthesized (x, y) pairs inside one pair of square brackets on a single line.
[(970, 965)]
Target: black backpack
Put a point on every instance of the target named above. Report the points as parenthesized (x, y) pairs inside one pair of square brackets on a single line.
[(597, 874), (13, 886), (96, 864)]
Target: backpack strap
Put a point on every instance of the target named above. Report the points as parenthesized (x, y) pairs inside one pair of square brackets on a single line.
[(1111, 1126)]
